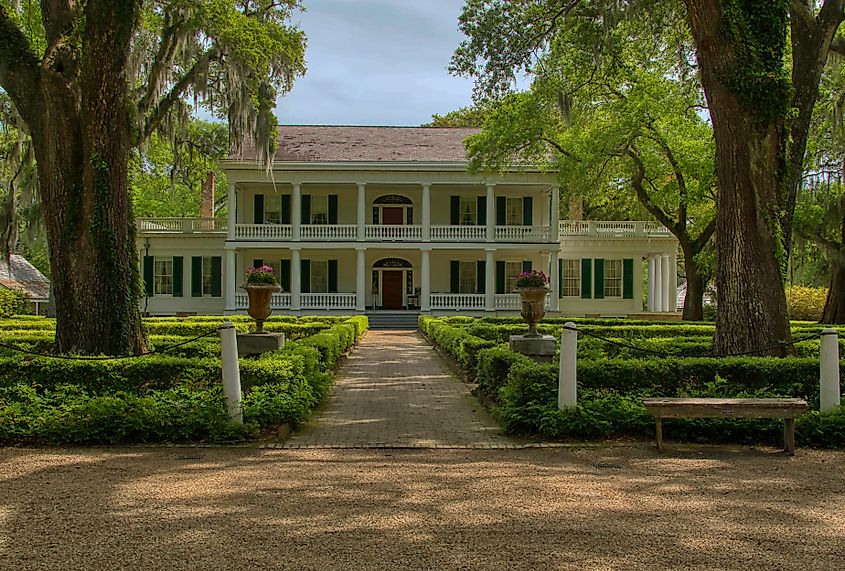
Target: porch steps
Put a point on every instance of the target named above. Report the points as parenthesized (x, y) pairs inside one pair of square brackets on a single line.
[(403, 320)]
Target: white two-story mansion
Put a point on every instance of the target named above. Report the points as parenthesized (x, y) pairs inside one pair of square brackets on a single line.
[(358, 219)]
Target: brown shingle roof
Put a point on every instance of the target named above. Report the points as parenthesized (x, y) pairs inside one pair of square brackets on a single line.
[(329, 143), (22, 275)]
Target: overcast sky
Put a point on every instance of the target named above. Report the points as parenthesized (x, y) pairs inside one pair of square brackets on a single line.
[(377, 62)]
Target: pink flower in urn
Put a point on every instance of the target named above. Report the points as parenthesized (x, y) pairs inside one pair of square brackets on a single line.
[(533, 278), (260, 275)]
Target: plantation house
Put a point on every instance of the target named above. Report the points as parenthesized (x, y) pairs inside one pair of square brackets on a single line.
[(355, 219)]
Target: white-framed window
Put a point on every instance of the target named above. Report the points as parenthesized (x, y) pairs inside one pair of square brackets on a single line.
[(613, 278), (467, 277), (319, 276), (163, 276), (206, 276), (512, 269), (571, 278), (513, 211), (272, 209), (319, 210), (469, 211)]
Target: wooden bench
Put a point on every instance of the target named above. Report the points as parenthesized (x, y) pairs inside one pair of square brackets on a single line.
[(787, 409)]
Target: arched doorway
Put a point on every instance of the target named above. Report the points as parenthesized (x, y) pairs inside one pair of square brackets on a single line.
[(393, 209), (393, 280)]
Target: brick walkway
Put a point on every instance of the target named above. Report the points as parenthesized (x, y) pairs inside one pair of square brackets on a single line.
[(395, 391)]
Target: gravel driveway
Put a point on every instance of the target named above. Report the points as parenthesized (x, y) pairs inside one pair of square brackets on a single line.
[(620, 507)]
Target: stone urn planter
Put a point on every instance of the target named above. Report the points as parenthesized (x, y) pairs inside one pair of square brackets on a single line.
[(260, 296), (533, 307)]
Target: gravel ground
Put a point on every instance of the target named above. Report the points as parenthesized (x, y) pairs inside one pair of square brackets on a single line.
[(621, 507)]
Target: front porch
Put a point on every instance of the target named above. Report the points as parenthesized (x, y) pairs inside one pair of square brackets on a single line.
[(284, 301)]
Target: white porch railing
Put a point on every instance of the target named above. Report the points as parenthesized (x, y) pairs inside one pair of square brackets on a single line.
[(411, 233), (328, 300), (522, 233), (328, 231), (610, 229), (457, 301), (458, 233), (512, 301), (180, 226), (278, 301), (263, 231)]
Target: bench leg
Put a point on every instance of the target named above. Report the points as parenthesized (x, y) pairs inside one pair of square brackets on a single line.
[(659, 434), (789, 436)]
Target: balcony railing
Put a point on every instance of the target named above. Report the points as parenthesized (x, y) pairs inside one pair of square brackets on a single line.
[(458, 233), (602, 229), (328, 232), (457, 301), (347, 301), (328, 300), (523, 233), (263, 231), (513, 302), (180, 226), (278, 301), (393, 232)]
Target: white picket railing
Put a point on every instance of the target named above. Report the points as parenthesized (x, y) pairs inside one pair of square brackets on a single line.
[(393, 232), (328, 300), (512, 301), (457, 301), (180, 226), (278, 301), (637, 229), (522, 233), (458, 233), (263, 231), (328, 232)]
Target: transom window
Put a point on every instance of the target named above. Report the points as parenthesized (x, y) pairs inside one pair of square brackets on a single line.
[(272, 210), (319, 276), (513, 211), (512, 269), (613, 278), (163, 276), (571, 278), (469, 211), (319, 210), (467, 277)]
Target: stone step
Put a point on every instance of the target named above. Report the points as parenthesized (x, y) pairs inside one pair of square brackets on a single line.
[(404, 320)]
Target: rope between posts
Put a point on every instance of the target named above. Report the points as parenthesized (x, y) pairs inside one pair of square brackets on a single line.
[(84, 358)]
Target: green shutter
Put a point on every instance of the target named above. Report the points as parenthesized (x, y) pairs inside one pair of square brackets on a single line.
[(501, 210), (285, 209), (257, 263), (305, 277), (178, 271), (196, 276), (586, 278), (526, 265), (454, 276), (216, 276), (598, 290), (409, 215), (560, 279), (332, 276), (306, 209), (628, 278), (284, 274), (527, 211), (148, 275), (455, 210), (500, 277), (481, 207), (481, 276), (332, 209), (258, 209)]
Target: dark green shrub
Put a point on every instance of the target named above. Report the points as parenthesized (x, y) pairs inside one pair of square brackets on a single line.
[(13, 302)]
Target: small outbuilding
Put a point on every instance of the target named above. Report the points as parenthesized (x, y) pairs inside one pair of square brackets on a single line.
[(17, 273)]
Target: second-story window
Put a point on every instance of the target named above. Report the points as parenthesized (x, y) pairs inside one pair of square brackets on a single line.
[(513, 211), (273, 209), (469, 211), (319, 210)]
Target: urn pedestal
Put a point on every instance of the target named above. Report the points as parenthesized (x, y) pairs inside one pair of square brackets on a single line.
[(260, 296), (539, 347)]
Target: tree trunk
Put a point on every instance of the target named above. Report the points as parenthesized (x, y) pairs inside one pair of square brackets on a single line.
[(81, 141), (750, 147), (834, 305), (694, 300)]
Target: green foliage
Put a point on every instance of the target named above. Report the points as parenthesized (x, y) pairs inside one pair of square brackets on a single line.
[(13, 302), (463, 117), (805, 303)]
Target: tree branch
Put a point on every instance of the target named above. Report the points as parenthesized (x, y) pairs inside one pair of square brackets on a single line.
[(676, 170), (699, 243), (642, 195), (57, 16), (161, 63), (19, 69)]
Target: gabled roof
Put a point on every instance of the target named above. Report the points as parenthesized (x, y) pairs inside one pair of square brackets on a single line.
[(334, 143), (20, 274)]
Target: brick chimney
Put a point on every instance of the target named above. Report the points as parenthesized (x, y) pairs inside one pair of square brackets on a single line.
[(207, 198)]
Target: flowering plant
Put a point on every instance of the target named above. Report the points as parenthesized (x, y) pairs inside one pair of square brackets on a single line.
[(260, 275), (531, 279)]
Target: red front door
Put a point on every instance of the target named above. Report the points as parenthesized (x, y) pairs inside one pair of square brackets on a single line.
[(391, 289), (392, 215)]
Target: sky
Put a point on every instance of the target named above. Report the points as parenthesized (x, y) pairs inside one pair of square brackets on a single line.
[(376, 62)]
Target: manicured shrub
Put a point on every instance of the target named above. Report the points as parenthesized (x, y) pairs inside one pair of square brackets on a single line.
[(805, 303), (13, 302)]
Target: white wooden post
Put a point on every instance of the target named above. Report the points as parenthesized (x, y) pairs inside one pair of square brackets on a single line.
[(231, 371), (829, 370), (567, 394)]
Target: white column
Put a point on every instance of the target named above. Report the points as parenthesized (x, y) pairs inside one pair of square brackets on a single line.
[(425, 281), (296, 215), (555, 281), (491, 213), (362, 210), (230, 280), (554, 217), (651, 282), (673, 283), (829, 397), (489, 281), (361, 283), (426, 212), (231, 371), (567, 392), (658, 283), (667, 285), (231, 211), (295, 280)]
